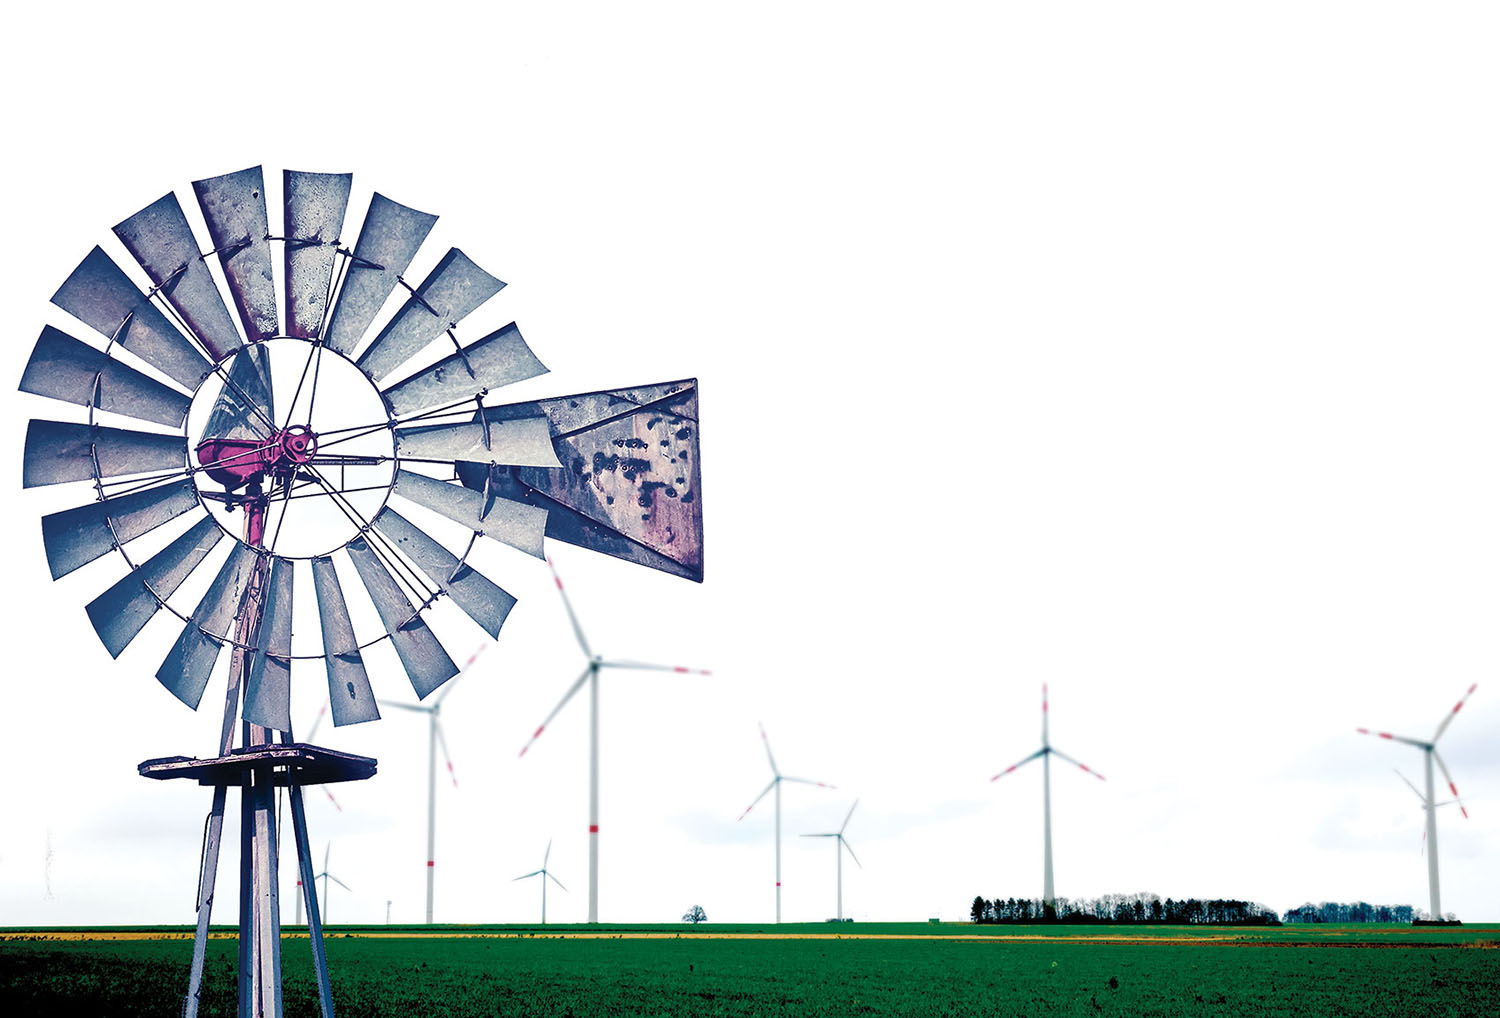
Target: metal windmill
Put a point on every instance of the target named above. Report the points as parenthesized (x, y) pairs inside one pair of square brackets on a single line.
[(290, 434), (1046, 753), (775, 785), (546, 875), (591, 677), (325, 876), (840, 846)]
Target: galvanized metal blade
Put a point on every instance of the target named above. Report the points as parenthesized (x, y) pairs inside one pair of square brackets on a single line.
[(100, 295), (481, 600), (190, 662), (519, 441), (234, 207), (244, 410), (68, 369), (268, 690), (451, 290), (349, 696), (75, 537), (123, 610), (315, 204), (388, 240), (426, 663), (158, 236), (59, 451), (486, 364), (520, 526)]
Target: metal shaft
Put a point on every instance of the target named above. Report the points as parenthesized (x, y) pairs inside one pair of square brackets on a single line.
[(1047, 897), (1432, 851), (432, 720), (778, 849), (838, 848), (593, 793)]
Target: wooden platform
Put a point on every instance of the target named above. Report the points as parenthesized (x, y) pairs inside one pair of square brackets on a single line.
[(294, 762)]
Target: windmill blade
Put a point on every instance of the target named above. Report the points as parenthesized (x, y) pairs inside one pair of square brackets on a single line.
[(1413, 787), (766, 742), (120, 612), (243, 410), (1083, 767), (427, 665), (75, 537), (58, 451), (234, 207), (1451, 786), (455, 287), (568, 605), (1392, 738), (574, 688), (643, 666), (850, 849), (1443, 727), (447, 757), (759, 797), (314, 215), (186, 669), (158, 236), (268, 690), (68, 369), (1019, 763), (845, 825), (520, 526), (349, 695), (485, 365), (809, 781), (522, 441), (481, 600), (388, 240), (527, 876)]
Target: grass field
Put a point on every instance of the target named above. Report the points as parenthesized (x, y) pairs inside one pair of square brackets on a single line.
[(853, 969)]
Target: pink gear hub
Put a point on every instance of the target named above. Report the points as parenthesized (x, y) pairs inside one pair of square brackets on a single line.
[(236, 462)]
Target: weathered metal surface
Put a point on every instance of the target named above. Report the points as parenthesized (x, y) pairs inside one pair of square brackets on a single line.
[(186, 669), (517, 441), (294, 763), (315, 204), (481, 600), (349, 697), (268, 690), (426, 663), (244, 409), (234, 207), (100, 295), (75, 537), (454, 288), (58, 451), (123, 610), (520, 526), (65, 368), (388, 238), (158, 236), (497, 360)]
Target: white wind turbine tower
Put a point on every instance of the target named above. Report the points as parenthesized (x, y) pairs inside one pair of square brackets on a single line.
[(1046, 753), (325, 876), (435, 739), (841, 844), (1430, 754), (308, 738), (775, 784), (591, 676), (546, 875), (1419, 795)]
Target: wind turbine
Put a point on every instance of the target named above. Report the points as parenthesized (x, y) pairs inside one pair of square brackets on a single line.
[(1046, 753), (325, 876), (840, 845), (1419, 795), (546, 875), (435, 739), (591, 676), (308, 738), (775, 784), (1429, 754)]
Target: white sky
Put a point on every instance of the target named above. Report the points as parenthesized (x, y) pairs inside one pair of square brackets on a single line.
[(1147, 350)]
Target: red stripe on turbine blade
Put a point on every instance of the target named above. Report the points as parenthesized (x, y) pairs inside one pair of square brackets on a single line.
[(593, 828), (1386, 735), (1463, 811), (1363, 731), (1452, 788)]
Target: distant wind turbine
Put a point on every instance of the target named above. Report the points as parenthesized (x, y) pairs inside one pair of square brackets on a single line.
[(325, 876), (546, 875), (1429, 803), (591, 676), (434, 740), (776, 785), (308, 738), (841, 844), (1046, 753)]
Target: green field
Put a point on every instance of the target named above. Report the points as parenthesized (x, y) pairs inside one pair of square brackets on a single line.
[(818, 969)]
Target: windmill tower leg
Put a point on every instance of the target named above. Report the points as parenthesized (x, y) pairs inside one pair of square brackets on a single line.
[(431, 805), (778, 851), (207, 873), (1432, 856), (308, 887), (1048, 901), (593, 794)]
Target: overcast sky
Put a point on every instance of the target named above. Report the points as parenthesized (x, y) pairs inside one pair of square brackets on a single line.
[(1146, 350)]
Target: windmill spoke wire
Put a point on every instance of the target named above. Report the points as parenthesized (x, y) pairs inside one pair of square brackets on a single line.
[(141, 484), (376, 542)]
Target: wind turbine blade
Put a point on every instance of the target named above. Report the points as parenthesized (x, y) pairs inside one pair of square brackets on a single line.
[(349, 695), (448, 686), (808, 781), (574, 688), (186, 670), (414, 708), (556, 881), (568, 604), (527, 876), (845, 825), (388, 240), (1044, 714), (1083, 767), (1413, 787), (850, 849), (75, 537), (322, 712), (765, 741), (1392, 738), (507, 441), (480, 599), (327, 847), (547, 854), (234, 207), (68, 369), (123, 610), (336, 880), (1451, 786), (643, 666), (158, 236), (447, 757), (1019, 763), (495, 361), (268, 690), (100, 295), (61, 451), (759, 797), (514, 523), (451, 290), (1454, 713), (831, 834), (314, 214), (426, 663)]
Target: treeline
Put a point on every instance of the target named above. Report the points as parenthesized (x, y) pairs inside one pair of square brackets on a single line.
[(1122, 908), (1354, 912)]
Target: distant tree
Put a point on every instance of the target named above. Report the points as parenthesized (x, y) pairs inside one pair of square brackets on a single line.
[(978, 909), (695, 915)]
